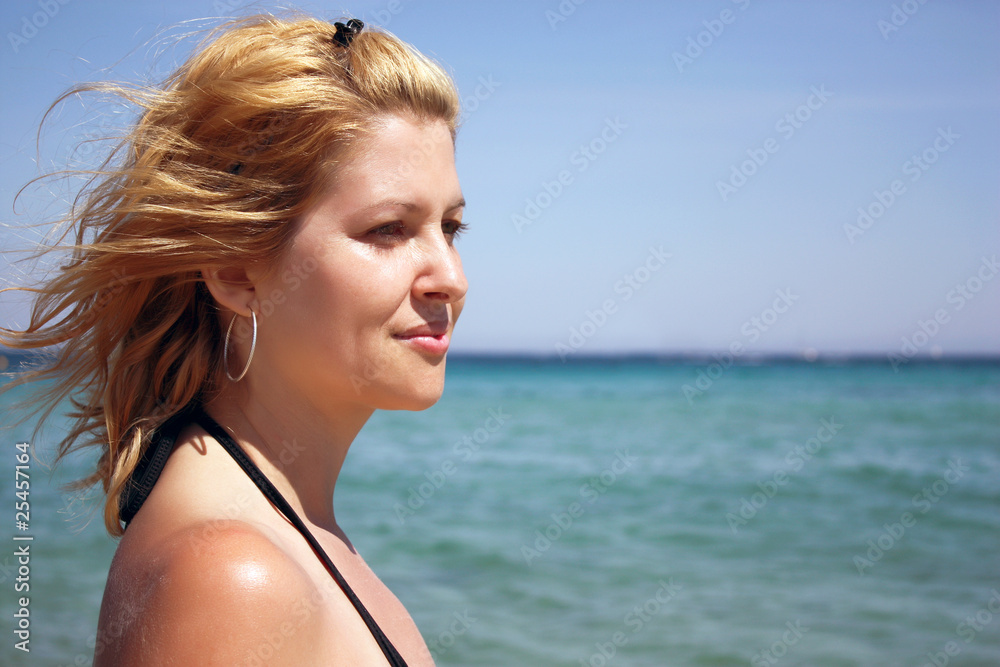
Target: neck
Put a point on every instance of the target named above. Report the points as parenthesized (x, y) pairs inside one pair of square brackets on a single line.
[(298, 445)]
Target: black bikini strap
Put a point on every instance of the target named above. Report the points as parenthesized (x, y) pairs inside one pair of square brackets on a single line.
[(272, 494), (147, 471)]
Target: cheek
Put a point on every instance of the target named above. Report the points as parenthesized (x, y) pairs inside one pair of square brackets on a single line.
[(376, 278), (348, 294)]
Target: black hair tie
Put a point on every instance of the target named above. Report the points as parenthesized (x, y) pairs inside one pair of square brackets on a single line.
[(345, 33)]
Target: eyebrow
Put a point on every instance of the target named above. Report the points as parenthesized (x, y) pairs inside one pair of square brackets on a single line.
[(409, 206)]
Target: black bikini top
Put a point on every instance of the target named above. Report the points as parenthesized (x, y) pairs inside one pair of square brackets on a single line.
[(151, 464)]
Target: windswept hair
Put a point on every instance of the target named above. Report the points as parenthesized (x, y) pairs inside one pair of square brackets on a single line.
[(224, 156)]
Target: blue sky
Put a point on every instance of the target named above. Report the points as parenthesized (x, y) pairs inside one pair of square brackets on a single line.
[(652, 176)]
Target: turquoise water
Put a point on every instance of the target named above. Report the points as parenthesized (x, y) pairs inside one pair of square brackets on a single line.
[(589, 513)]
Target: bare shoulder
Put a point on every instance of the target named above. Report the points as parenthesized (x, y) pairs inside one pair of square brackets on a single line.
[(218, 593)]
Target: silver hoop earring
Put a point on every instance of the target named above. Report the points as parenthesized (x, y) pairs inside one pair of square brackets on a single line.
[(225, 349)]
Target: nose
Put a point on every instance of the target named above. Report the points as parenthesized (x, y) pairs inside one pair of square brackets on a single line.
[(441, 277)]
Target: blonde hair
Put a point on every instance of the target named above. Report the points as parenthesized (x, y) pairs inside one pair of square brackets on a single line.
[(223, 158)]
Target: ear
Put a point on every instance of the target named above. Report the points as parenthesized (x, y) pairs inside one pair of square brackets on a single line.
[(231, 288)]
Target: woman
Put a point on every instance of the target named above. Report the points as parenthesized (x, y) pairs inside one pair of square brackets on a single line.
[(271, 259)]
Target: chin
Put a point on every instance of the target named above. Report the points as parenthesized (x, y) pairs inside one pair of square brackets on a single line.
[(413, 403), (421, 403), (418, 396)]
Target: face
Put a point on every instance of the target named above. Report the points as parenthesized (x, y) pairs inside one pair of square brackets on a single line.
[(372, 284)]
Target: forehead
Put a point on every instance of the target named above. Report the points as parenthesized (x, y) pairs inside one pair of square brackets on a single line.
[(400, 156)]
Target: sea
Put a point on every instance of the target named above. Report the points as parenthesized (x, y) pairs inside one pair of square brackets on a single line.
[(629, 511)]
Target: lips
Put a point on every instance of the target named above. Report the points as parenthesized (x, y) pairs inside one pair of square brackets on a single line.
[(431, 338), (432, 329)]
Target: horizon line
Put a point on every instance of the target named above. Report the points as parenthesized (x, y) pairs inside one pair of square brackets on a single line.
[(16, 357)]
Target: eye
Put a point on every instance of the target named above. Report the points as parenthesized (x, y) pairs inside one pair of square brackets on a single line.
[(391, 230), (454, 228)]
